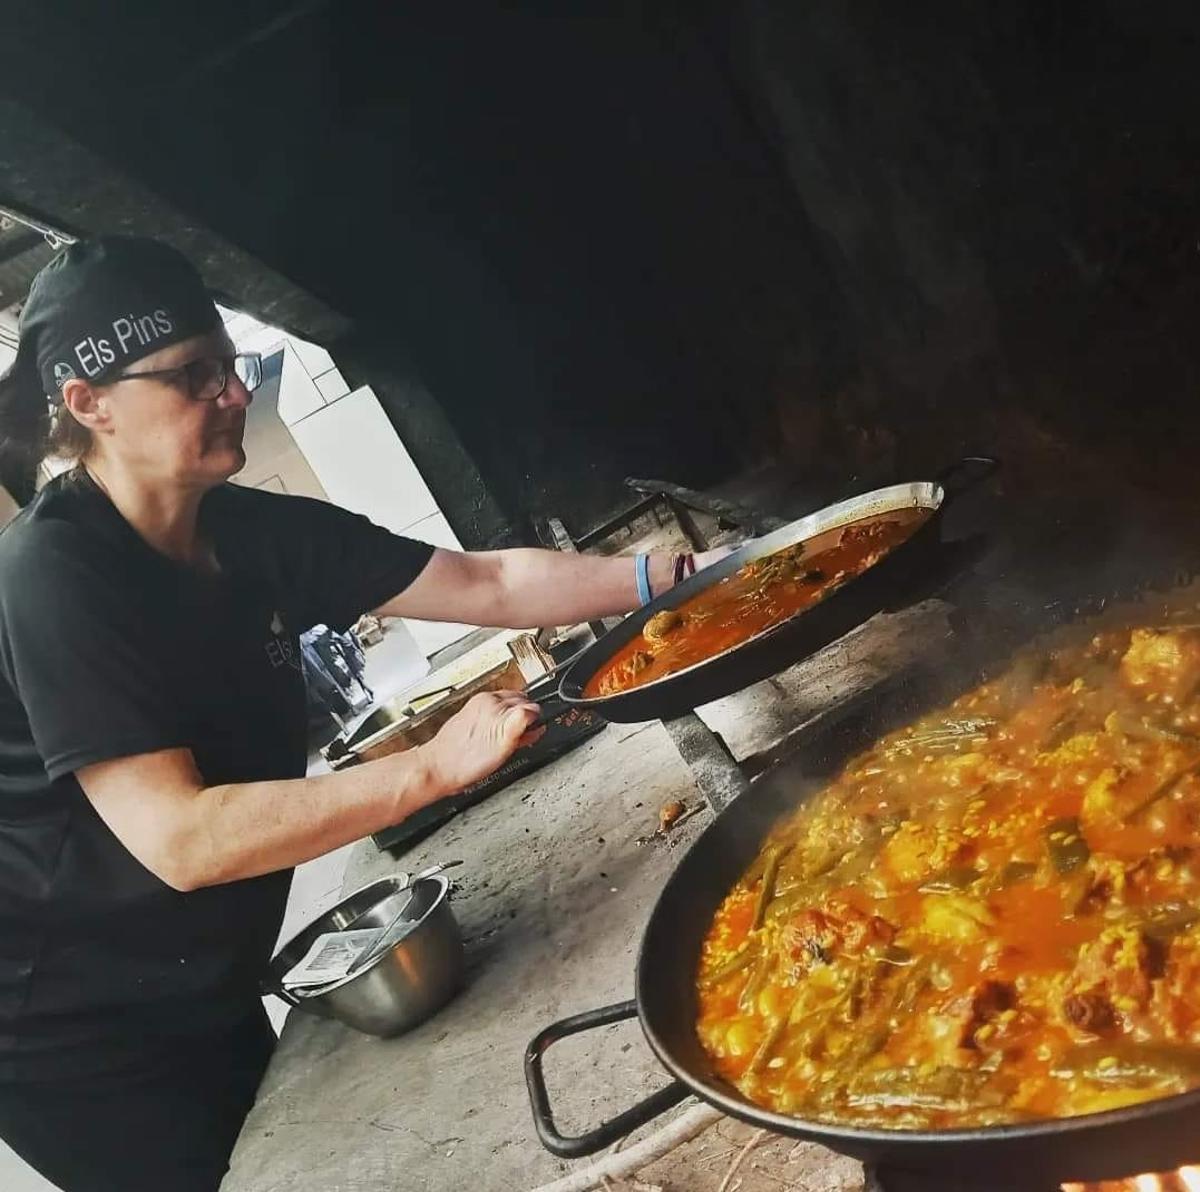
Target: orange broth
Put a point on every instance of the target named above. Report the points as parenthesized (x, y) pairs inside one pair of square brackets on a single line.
[(754, 599), (991, 915)]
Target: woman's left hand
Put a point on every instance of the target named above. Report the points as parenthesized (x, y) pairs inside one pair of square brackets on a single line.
[(478, 739)]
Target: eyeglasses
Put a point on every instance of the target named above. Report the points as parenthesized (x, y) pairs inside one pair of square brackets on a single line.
[(208, 377)]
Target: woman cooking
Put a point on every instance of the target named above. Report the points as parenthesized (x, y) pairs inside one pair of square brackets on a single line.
[(152, 718)]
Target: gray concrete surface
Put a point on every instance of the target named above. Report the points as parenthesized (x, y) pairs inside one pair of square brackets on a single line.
[(558, 883), (554, 889)]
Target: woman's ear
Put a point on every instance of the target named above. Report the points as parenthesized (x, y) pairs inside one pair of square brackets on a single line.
[(88, 405)]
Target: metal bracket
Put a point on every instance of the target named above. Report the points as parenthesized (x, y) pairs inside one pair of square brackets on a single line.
[(562, 541), (715, 770), (724, 511)]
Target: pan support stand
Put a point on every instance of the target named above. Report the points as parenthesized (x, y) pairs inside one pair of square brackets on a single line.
[(716, 772), (681, 501)]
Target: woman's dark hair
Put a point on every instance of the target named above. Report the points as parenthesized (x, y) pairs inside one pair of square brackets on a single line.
[(29, 432)]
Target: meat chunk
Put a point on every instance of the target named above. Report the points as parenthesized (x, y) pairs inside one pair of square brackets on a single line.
[(1123, 959), (875, 530), (1090, 1011), (782, 565), (819, 935), (1112, 981), (948, 1035), (1106, 882), (859, 931), (620, 676), (662, 624), (986, 1002), (1162, 662), (811, 937), (1114, 883)]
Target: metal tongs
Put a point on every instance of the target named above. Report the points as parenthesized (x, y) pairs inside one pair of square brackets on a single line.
[(389, 936)]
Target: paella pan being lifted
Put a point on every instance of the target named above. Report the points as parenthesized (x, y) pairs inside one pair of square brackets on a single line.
[(774, 601)]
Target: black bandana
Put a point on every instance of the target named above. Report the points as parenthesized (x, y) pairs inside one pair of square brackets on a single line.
[(101, 305)]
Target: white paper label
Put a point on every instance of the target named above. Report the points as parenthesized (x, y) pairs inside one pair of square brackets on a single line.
[(330, 957)]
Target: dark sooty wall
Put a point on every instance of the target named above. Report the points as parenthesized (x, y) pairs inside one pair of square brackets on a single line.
[(671, 239), (1008, 198)]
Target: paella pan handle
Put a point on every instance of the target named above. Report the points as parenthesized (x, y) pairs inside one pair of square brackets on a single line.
[(550, 707), (964, 475), (576, 1146)]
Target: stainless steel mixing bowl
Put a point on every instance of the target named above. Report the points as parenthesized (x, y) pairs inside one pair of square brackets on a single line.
[(406, 983)]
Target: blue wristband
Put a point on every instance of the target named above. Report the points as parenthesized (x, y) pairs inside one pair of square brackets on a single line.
[(641, 569)]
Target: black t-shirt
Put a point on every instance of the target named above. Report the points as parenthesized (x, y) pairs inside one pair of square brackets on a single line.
[(109, 649)]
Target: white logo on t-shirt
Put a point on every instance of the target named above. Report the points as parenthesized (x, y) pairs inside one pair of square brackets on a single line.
[(280, 649)]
